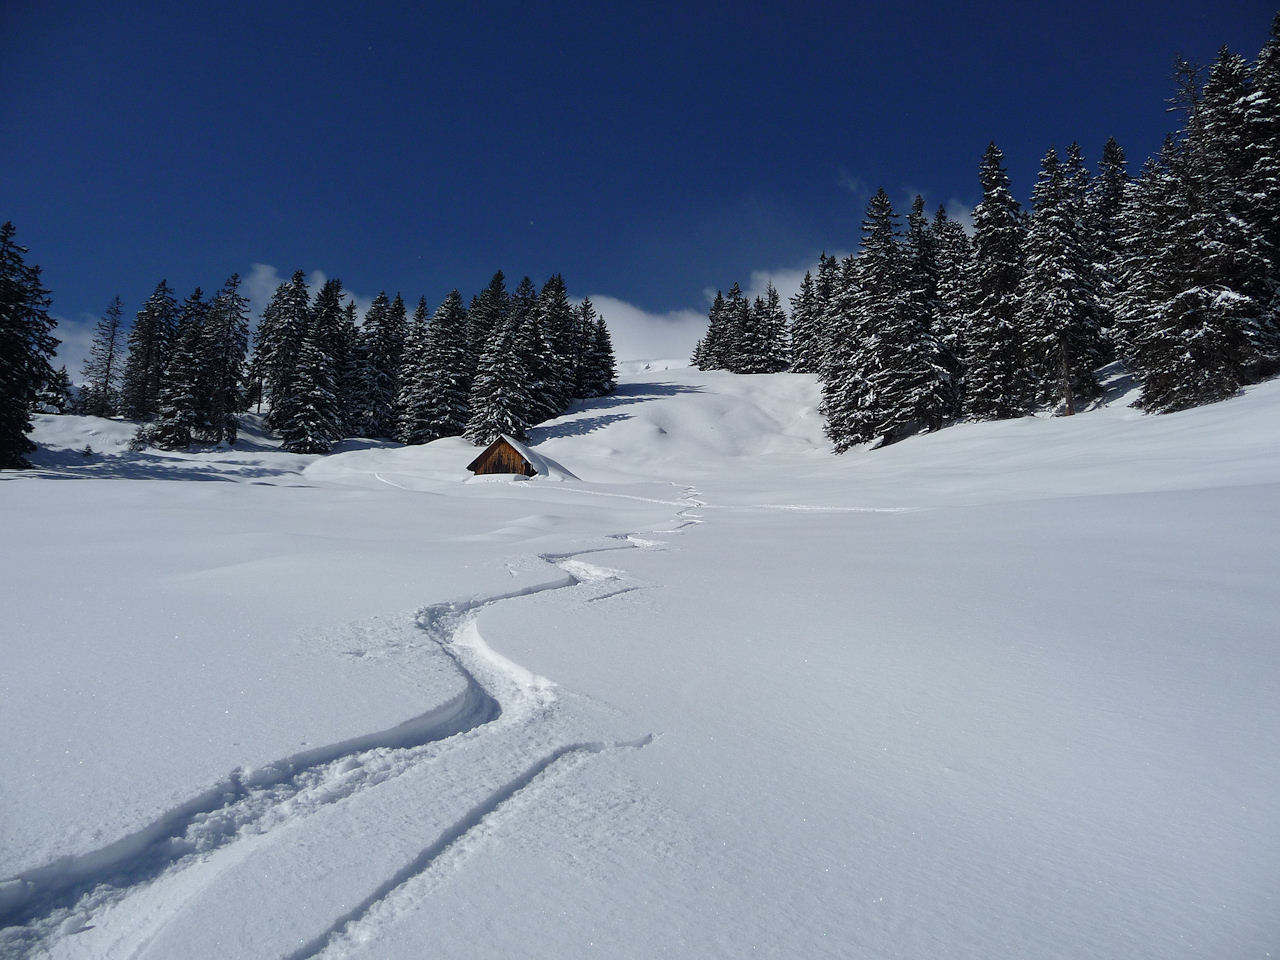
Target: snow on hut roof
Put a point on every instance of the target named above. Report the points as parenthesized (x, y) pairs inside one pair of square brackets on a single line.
[(542, 465), (545, 466)]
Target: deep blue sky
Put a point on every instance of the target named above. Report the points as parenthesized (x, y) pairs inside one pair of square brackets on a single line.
[(646, 151)]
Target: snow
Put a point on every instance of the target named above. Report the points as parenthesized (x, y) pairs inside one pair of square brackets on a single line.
[(1008, 690)]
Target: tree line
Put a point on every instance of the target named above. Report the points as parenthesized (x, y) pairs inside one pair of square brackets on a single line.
[(506, 362), (1175, 272)]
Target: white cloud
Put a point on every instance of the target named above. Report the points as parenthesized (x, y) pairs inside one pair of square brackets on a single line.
[(76, 336), (855, 185), (262, 280), (959, 210), (786, 282), (640, 335)]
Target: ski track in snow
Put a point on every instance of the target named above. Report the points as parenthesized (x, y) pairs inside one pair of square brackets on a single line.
[(45, 904)]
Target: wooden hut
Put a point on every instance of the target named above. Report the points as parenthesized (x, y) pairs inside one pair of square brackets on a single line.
[(505, 455)]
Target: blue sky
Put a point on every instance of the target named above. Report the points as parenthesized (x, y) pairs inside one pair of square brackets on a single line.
[(648, 152)]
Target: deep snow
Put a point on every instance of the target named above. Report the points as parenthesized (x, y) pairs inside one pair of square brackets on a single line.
[(1010, 690)]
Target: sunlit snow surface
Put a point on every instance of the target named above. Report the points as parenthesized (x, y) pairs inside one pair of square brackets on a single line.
[(1007, 691)]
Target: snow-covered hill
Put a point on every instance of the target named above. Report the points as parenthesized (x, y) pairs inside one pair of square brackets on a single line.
[(1009, 690)]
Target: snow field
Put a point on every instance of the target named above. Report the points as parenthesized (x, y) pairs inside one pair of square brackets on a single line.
[(1009, 690)]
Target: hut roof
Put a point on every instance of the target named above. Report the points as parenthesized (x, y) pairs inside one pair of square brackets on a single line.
[(540, 465)]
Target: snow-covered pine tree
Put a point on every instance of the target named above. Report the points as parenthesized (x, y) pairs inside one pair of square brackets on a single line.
[(953, 254), (348, 363), (753, 344), (1102, 238), (1186, 343), (311, 417), (806, 327), (997, 378), (381, 345), (1262, 131), (103, 369), (1058, 302), (501, 397), (602, 377), (179, 419), (1234, 224), (1199, 304), (26, 346), (837, 292), (707, 354), (762, 343), (443, 406), (331, 331), (825, 284), (413, 411), (583, 345), (277, 342), (920, 373), (553, 366), (857, 391), (734, 321), (489, 311), (905, 388), (150, 344), (54, 396), (699, 356), (225, 344)]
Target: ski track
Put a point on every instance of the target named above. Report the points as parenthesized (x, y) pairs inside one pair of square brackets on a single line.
[(44, 904), (400, 887)]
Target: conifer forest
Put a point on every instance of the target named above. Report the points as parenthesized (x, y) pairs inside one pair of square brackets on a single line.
[(1174, 271)]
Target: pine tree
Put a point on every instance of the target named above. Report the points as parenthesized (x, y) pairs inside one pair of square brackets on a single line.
[(997, 379), (311, 421), (382, 348), (1220, 166), (225, 342), (600, 373), (444, 404), (348, 365), (103, 369), (54, 396), (1058, 306), (1262, 132), (841, 287), (1198, 277), (277, 343), (762, 345), (414, 416), (26, 346), (856, 397), (734, 322), (501, 399), (180, 416), (488, 313), (150, 344), (829, 278), (806, 328), (1102, 237), (553, 365), (921, 377), (1186, 342), (953, 254), (584, 337), (707, 353), (331, 330)]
